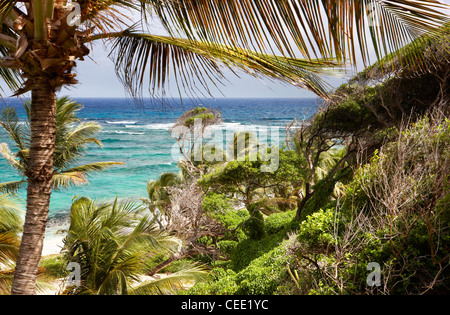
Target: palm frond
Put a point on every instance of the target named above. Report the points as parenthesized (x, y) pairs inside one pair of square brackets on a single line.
[(87, 169), (17, 130), (66, 111), (173, 282), (196, 65), (11, 187), (422, 55), (111, 242), (340, 28), (11, 77), (72, 142), (105, 16), (10, 226), (12, 160), (68, 179), (148, 234), (10, 219)]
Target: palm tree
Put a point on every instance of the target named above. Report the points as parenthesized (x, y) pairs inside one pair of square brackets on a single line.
[(72, 138), (10, 227), (40, 42), (159, 195), (112, 244)]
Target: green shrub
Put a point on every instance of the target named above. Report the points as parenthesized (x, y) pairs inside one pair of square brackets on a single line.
[(220, 208), (254, 226), (204, 117), (222, 282), (215, 204), (265, 274), (318, 228), (54, 267), (278, 222), (249, 249), (228, 247)]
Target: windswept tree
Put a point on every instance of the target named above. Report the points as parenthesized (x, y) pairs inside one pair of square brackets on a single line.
[(41, 41), (190, 130), (158, 191)]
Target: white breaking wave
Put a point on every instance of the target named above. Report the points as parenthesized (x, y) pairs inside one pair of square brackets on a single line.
[(151, 126), (125, 122), (233, 126), (129, 133), (240, 127)]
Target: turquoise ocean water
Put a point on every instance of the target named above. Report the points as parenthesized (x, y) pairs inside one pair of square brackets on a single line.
[(138, 136)]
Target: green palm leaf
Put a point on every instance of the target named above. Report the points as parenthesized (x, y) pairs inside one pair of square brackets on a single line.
[(10, 227), (112, 242), (12, 187), (12, 160), (144, 58), (17, 131), (328, 28), (72, 140), (173, 282)]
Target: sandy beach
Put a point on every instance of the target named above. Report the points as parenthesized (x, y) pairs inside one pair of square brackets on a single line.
[(53, 242), (57, 227)]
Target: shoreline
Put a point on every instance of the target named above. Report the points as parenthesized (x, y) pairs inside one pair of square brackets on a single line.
[(55, 232)]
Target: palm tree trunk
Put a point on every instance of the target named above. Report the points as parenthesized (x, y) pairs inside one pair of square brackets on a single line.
[(42, 147)]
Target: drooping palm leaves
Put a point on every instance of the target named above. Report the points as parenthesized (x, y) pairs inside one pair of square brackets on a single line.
[(10, 227), (208, 34), (431, 53), (112, 243), (142, 59), (338, 28), (72, 139)]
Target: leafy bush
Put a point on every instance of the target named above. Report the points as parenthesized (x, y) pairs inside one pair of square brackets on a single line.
[(318, 229), (220, 208), (262, 276), (265, 274), (249, 249), (254, 226), (395, 213), (227, 247), (216, 205), (205, 118), (222, 282), (278, 222)]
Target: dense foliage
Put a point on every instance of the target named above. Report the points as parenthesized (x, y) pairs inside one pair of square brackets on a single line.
[(359, 203)]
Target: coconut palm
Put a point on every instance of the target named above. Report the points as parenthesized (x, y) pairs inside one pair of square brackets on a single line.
[(40, 42), (72, 138), (112, 244), (10, 227)]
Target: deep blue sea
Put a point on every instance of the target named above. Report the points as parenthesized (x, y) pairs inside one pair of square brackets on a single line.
[(138, 135)]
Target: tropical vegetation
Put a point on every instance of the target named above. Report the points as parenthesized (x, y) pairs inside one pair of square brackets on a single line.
[(72, 140), (113, 246), (244, 227)]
